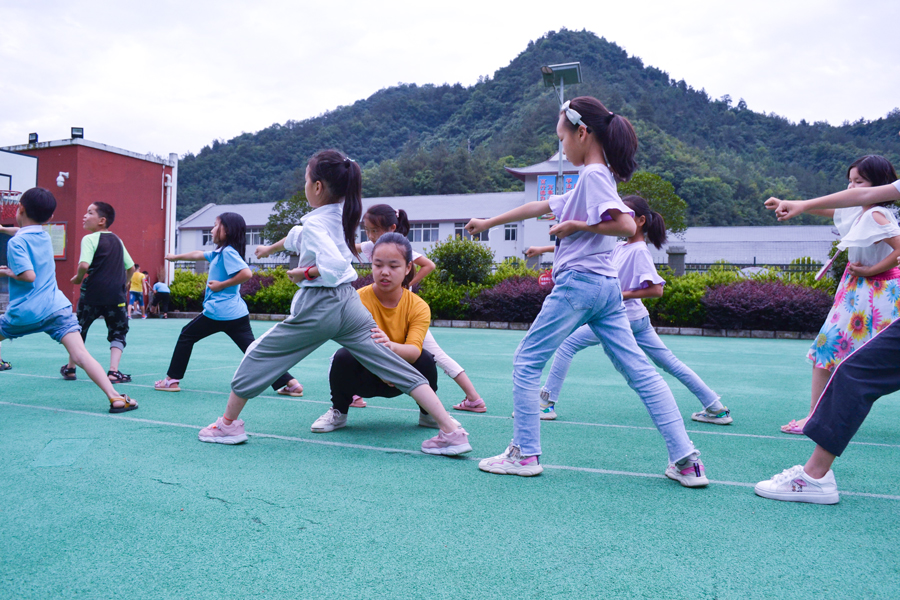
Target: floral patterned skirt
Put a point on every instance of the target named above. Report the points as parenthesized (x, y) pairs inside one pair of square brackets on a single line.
[(862, 307)]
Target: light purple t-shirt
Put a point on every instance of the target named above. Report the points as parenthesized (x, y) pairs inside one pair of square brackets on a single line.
[(590, 201), (636, 272)]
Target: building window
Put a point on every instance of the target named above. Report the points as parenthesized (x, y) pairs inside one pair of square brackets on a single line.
[(423, 232), (207, 237), (460, 231), (552, 238), (362, 234), (509, 232), (254, 236)]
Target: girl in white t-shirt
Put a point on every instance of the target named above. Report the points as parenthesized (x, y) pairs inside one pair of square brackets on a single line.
[(868, 295), (639, 279), (586, 291), (377, 221)]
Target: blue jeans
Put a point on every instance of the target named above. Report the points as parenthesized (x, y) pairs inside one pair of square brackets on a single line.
[(647, 340), (595, 300)]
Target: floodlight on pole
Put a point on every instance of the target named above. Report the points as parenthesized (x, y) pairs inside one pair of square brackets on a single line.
[(557, 76)]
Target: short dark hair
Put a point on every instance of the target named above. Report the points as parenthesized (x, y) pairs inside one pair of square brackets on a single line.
[(39, 204), (106, 211), (875, 169)]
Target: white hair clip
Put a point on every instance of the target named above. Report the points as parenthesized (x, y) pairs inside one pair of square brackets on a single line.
[(573, 115)]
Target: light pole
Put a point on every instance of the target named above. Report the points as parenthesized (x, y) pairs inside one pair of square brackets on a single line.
[(557, 76)]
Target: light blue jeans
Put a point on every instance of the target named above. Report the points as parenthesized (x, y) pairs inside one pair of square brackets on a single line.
[(595, 300), (647, 340)]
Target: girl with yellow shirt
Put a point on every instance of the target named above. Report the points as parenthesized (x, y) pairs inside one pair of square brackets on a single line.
[(402, 320)]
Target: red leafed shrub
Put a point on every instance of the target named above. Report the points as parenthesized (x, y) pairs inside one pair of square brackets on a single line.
[(257, 281), (362, 281), (766, 305), (517, 300)]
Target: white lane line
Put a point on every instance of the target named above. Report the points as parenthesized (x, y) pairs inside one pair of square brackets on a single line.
[(465, 414), (400, 450)]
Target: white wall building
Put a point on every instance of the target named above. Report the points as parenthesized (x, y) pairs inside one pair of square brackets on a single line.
[(435, 218)]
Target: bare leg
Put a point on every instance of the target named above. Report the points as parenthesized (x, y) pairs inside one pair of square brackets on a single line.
[(115, 355), (463, 381), (820, 379), (819, 463), (235, 406), (428, 400), (79, 355)]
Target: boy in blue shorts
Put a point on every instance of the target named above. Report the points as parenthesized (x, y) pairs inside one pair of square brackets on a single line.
[(35, 303)]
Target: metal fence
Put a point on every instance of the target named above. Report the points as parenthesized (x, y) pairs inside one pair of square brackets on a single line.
[(704, 267)]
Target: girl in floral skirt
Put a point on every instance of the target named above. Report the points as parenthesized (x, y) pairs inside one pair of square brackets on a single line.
[(868, 296)]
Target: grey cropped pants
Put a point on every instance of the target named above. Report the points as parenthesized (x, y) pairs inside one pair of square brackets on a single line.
[(319, 314)]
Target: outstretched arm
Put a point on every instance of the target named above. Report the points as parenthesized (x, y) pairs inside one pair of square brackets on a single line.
[(263, 251), (529, 210), (651, 291), (533, 251), (194, 255), (425, 267), (861, 196)]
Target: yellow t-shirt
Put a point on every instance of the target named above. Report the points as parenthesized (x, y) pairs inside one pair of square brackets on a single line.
[(407, 323), (137, 282)]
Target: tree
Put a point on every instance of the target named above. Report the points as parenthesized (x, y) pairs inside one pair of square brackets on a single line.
[(661, 196), (285, 214)]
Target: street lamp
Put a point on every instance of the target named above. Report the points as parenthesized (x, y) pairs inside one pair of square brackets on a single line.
[(557, 76)]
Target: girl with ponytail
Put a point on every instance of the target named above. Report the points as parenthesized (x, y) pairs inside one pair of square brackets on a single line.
[(639, 279), (326, 307), (586, 291)]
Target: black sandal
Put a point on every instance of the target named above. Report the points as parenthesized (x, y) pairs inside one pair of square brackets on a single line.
[(119, 377), (5, 366), (67, 373)]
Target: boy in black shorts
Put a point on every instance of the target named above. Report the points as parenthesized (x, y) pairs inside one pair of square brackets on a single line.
[(107, 266)]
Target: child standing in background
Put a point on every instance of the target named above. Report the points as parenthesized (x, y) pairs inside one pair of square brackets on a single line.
[(136, 291), (867, 295), (223, 308), (103, 270), (35, 303)]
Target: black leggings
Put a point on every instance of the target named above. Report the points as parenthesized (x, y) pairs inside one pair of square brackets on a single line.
[(202, 327), (349, 378)]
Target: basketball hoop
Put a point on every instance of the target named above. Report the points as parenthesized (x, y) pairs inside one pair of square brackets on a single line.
[(9, 203)]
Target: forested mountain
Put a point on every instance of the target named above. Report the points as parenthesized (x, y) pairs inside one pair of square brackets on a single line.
[(723, 158)]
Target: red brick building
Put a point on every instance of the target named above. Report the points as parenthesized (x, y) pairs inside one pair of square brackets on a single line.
[(142, 189)]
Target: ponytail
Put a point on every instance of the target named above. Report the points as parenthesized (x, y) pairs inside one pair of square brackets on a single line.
[(343, 178), (613, 131), (383, 216), (654, 229)]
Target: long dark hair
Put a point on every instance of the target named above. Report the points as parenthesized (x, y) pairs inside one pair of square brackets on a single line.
[(399, 240), (654, 228), (343, 178), (614, 132), (235, 232), (384, 216)]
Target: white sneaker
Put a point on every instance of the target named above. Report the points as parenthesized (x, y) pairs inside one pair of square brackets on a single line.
[(794, 485), (512, 462), (689, 471), (719, 417), (331, 420)]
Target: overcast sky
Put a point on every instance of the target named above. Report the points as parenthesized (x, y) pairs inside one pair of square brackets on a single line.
[(170, 76)]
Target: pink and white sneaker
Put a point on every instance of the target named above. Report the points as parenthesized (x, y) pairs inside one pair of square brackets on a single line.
[(689, 471), (448, 444), (220, 433), (512, 462)]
